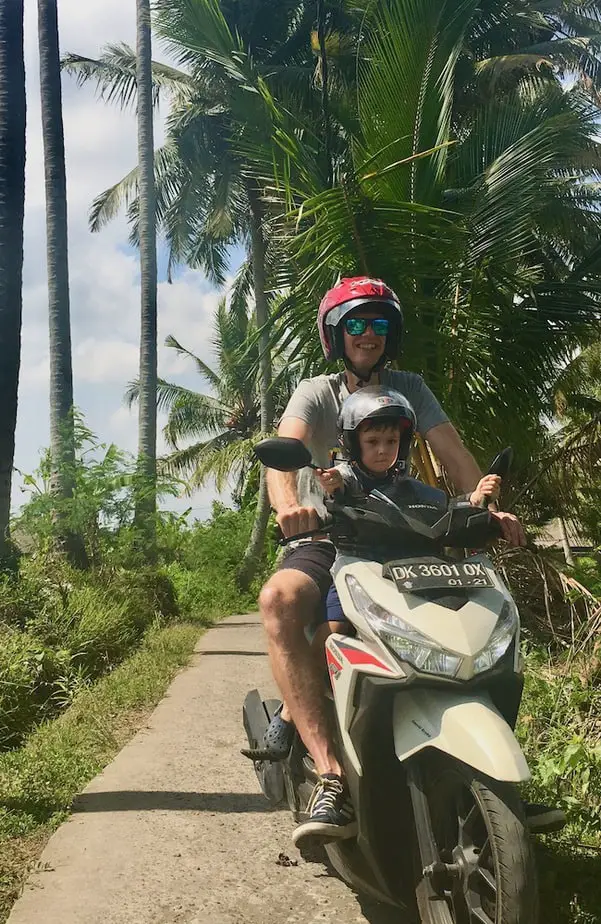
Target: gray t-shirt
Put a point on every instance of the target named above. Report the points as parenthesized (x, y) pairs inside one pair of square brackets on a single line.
[(317, 401)]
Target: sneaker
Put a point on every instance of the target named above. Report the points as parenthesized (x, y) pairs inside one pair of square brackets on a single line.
[(543, 819), (331, 814)]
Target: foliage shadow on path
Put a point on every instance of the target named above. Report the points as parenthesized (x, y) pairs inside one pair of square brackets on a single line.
[(132, 801), (243, 654), (235, 625), (159, 800)]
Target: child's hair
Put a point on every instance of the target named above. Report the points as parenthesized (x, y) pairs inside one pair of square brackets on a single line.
[(383, 424)]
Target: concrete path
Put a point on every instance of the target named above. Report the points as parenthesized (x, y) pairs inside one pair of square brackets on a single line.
[(176, 831)]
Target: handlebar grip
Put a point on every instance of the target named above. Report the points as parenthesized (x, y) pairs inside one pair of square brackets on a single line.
[(323, 527)]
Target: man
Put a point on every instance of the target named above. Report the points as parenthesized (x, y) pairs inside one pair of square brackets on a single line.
[(360, 321)]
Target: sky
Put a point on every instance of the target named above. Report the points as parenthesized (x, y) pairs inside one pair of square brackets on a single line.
[(100, 143)]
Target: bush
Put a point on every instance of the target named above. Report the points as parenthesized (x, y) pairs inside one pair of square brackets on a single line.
[(561, 732), (18, 602), (149, 595), (98, 629), (29, 672), (64, 627), (60, 629), (587, 570)]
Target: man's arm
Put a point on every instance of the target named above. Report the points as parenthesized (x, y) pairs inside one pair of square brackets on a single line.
[(449, 449), (291, 517), (465, 473)]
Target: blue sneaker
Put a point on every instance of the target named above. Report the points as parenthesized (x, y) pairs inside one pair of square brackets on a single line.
[(331, 814)]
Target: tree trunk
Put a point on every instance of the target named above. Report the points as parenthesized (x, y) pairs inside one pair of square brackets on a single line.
[(147, 419), (325, 100), (565, 542), (254, 550), (12, 207), (62, 433)]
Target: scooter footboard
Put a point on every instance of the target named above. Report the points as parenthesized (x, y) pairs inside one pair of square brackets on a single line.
[(470, 730)]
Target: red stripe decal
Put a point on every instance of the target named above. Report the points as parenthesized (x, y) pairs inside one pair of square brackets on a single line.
[(356, 656), (332, 660)]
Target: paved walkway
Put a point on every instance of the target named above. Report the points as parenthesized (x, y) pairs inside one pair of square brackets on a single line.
[(176, 831)]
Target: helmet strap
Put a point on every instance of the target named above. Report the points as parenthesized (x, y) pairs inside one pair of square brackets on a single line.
[(362, 378)]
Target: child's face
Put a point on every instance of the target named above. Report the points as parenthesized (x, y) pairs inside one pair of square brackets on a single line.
[(379, 448)]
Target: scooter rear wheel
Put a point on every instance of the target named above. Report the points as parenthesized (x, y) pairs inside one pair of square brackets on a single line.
[(480, 832)]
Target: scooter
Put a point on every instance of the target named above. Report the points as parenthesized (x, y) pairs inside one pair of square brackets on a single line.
[(424, 697)]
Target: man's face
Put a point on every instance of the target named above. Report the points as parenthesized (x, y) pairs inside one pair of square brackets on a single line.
[(363, 351)]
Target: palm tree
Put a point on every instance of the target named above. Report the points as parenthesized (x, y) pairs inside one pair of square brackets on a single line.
[(221, 427), (147, 419), (550, 40), (12, 206), (565, 479), (484, 219), (62, 435), (206, 199)]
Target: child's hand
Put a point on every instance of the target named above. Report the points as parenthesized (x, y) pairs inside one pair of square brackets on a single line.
[(488, 487), (330, 479)]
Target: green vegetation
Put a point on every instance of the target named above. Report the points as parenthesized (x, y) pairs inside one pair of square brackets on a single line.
[(559, 724), (62, 628), (452, 150), (39, 781), (85, 654)]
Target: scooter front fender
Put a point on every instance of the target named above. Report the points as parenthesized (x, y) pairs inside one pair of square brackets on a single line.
[(468, 729)]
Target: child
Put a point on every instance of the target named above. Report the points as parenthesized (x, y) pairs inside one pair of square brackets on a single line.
[(376, 427)]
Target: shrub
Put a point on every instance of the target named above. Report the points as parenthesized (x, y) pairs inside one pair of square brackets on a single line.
[(28, 675), (148, 594), (97, 628), (561, 731), (18, 603)]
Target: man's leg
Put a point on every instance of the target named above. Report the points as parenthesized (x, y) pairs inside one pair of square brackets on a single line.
[(290, 601), (318, 650)]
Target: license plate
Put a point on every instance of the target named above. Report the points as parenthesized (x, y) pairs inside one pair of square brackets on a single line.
[(423, 573)]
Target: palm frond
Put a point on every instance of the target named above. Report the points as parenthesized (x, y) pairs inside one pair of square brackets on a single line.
[(114, 75), (201, 366)]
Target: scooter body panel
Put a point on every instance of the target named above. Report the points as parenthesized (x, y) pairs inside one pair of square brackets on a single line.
[(468, 729)]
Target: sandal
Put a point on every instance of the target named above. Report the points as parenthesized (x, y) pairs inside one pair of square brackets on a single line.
[(277, 740)]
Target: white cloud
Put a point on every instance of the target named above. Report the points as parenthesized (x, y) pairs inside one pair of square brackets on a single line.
[(103, 361)]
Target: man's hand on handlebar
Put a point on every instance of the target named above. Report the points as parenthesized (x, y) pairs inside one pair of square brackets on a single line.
[(294, 520)]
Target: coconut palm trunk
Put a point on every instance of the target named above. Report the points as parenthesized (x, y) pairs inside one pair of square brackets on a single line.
[(147, 420), (12, 207), (62, 435), (256, 542)]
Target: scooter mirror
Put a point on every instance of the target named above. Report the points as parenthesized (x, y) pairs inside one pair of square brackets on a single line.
[(283, 453), (502, 463)]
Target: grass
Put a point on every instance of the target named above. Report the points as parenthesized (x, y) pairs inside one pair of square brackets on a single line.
[(39, 781)]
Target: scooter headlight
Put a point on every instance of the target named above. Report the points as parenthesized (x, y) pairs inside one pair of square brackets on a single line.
[(500, 640), (407, 643)]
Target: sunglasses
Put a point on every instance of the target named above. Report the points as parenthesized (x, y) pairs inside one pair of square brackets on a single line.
[(357, 326)]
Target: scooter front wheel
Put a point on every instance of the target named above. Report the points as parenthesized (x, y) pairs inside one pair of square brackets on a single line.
[(486, 873)]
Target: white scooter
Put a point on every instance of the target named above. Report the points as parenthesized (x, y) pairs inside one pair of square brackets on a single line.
[(424, 695)]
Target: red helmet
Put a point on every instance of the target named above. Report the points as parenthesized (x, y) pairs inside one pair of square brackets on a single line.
[(346, 296)]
